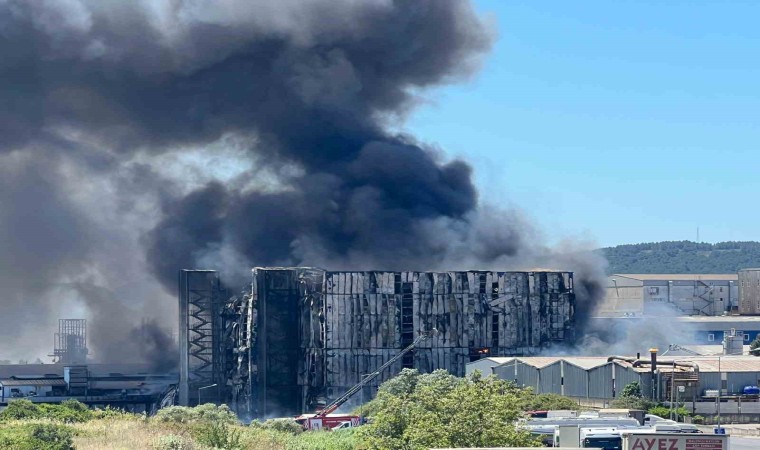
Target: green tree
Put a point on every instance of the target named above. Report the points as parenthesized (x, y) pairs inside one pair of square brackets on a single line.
[(440, 410), (631, 398), (754, 347), (547, 402), (681, 257), (661, 411), (632, 390)]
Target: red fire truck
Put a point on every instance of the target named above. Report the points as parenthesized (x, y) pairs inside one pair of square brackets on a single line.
[(326, 420)]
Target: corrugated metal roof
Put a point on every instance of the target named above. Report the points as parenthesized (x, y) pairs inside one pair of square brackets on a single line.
[(726, 363), (39, 370), (498, 359), (33, 382), (587, 362), (680, 276), (706, 363), (718, 319), (584, 362)]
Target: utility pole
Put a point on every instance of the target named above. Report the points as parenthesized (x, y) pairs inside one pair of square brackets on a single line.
[(672, 387), (720, 389)]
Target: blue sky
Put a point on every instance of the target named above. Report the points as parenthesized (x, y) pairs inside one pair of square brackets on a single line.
[(621, 122)]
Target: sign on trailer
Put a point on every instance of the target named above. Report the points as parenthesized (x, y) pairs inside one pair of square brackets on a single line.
[(667, 441)]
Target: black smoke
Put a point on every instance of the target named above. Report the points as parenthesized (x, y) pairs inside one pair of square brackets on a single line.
[(151, 136)]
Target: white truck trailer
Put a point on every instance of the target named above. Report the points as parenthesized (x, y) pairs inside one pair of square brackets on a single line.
[(674, 441)]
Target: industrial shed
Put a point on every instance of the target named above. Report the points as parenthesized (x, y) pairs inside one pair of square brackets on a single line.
[(593, 379), (25, 387), (485, 365), (596, 381)]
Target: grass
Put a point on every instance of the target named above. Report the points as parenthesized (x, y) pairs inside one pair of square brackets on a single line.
[(105, 434), (109, 434)]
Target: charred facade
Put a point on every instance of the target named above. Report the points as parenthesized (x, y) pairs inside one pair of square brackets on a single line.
[(302, 336)]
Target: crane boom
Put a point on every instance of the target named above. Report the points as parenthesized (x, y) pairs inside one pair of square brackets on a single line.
[(343, 398)]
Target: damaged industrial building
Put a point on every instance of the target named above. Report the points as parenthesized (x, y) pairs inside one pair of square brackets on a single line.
[(299, 337)]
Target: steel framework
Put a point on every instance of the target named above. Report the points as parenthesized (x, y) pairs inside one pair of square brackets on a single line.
[(70, 342), (201, 356)]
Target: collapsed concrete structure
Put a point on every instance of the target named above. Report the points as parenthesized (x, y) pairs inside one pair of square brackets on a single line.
[(302, 336)]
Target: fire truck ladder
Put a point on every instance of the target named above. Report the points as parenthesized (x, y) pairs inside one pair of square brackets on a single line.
[(344, 398)]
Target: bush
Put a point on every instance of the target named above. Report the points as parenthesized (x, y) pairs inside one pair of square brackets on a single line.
[(632, 390), (324, 440), (547, 402), (440, 410), (698, 420), (633, 403), (289, 426), (54, 437), (173, 442), (115, 414), (218, 435), (682, 412), (20, 410), (36, 437), (69, 411), (662, 411), (208, 413)]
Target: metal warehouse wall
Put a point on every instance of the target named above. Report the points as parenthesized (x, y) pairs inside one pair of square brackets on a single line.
[(749, 291), (575, 380), (735, 381), (522, 374), (550, 379), (562, 377), (625, 376), (600, 383), (349, 323), (693, 297)]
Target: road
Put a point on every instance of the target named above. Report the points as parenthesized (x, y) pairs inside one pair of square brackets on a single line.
[(742, 443)]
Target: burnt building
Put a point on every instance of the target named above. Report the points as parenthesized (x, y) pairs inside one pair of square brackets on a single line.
[(303, 336)]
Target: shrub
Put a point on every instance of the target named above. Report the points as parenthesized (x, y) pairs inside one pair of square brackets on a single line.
[(633, 403), (632, 390), (20, 410), (36, 437), (218, 435), (282, 425), (173, 442), (324, 440), (445, 411), (682, 412), (55, 437), (661, 411), (698, 420), (114, 414), (69, 411), (545, 402), (208, 413)]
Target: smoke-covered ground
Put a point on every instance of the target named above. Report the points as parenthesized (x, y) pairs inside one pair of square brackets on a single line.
[(143, 137)]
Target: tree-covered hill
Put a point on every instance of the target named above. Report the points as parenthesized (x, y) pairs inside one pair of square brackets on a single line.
[(682, 257)]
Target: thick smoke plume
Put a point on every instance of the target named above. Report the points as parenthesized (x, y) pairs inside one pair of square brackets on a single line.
[(148, 136)]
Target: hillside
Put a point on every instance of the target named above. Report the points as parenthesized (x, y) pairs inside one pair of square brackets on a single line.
[(682, 257)]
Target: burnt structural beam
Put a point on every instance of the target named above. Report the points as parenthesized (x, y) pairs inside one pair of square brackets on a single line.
[(200, 301)]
